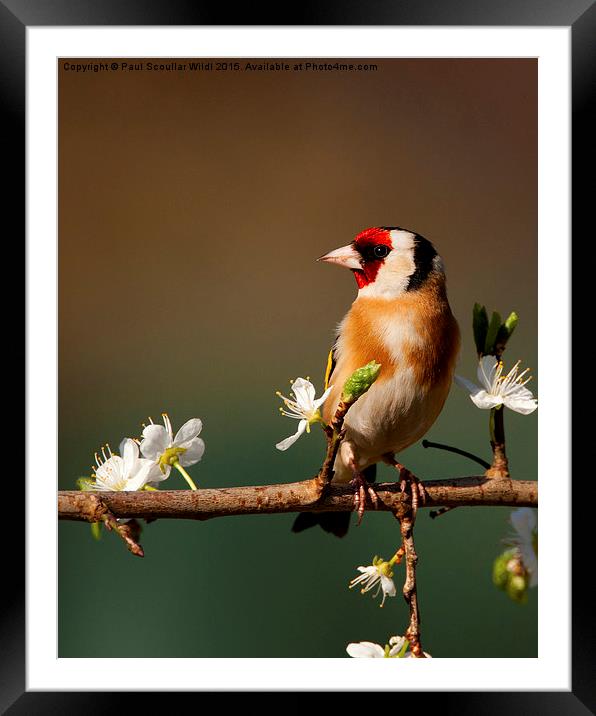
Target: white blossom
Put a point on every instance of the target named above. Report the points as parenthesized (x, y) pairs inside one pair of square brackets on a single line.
[(160, 445), (498, 389), (303, 407), (127, 471), (365, 650), (377, 574), (396, 649)]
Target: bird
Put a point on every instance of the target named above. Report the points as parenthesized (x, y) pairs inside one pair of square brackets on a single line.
[(401, 318)]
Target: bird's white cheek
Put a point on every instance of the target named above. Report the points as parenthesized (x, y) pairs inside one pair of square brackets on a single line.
[(392, 278)]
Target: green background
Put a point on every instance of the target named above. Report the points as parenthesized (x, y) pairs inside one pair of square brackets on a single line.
[(192, 206)]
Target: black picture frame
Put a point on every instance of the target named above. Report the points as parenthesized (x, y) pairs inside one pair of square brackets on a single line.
[(17, 15)]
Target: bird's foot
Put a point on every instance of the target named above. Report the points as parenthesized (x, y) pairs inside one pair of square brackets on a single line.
[(362, 488), (408, 482)]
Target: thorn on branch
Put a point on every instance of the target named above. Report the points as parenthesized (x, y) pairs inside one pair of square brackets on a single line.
[(433, 514)]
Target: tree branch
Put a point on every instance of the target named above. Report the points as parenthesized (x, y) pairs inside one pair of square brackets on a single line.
[(303, 496)]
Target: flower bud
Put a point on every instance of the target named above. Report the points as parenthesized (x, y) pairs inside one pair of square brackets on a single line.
[(517, 589), (479, 326), (505, 331), (500, 572), (360, 381), (510, 575), (491, 334), (85, 484)]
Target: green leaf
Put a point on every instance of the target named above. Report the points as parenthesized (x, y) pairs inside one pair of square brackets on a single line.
[(506, 330), (360, 381), (491, 334), (85, 484), (480, 326), (511, 323)]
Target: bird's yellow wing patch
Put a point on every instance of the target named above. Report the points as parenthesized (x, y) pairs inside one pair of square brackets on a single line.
[(329, 368)]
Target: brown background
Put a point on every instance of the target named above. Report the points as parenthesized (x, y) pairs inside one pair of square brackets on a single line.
[(192, 207)]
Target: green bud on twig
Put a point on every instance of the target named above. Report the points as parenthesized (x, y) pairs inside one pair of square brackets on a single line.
[(480, 327), (360, 381), (84, 483), (510, 575), (96, 530), (506, 330), (491, 334), (500, 573)]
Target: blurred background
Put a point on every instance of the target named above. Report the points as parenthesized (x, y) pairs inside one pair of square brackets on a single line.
[(192, 207)]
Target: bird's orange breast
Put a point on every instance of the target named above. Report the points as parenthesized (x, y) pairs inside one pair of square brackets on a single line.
[(416, 331)]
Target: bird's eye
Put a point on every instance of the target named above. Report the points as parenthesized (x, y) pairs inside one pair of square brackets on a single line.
[(380, 251)]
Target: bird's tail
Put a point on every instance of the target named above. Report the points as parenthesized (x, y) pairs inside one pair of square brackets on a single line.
[(336, 523)]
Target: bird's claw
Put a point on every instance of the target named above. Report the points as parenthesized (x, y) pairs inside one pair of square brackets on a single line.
[(408, 480), (362, 488)]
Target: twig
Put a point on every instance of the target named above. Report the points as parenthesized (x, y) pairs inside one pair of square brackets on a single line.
[(90, 507), (500, 465), (126, 531), (410, 592), (335, 434), (291, 497), (464, 453)]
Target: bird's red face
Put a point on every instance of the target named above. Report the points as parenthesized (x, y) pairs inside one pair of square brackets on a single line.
[(365, 255), (374, 246), (387, 260)]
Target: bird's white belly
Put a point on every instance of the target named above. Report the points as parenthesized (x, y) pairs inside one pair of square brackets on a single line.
[(390, 417)]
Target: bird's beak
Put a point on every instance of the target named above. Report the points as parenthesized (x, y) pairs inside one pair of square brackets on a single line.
[(344, 256)]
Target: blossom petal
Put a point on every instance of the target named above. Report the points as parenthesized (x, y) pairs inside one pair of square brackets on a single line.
[(522, 401), (155, 441), (109, 475), (285, 444), (479, 397), (304, 391), (162, 473), (130, 454), (524, 521), (530, 562), (365, 650), (194, 452), (396, 643), (487, 366), (319, 401), (533, 572), (146, 471), (388, 586), (100, 486), (188, 431), (485, 400), (466, 384)]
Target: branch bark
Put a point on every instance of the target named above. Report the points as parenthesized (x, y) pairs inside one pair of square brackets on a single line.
[(205, 504)]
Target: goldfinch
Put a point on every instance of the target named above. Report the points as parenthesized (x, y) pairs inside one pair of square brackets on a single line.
[(402, 319)]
